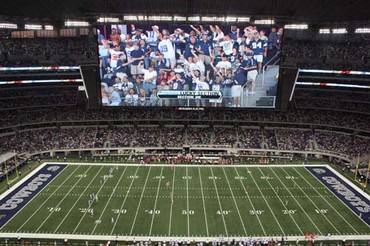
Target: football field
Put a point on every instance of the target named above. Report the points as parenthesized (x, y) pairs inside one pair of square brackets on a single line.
[(163, 201)]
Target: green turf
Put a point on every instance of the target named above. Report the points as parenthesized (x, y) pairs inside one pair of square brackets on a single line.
[(208, 201)]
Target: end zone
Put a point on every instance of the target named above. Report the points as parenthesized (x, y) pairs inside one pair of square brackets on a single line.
[(14, 200)]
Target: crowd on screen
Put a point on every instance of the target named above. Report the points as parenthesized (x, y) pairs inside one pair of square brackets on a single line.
[(137, 64), (250, 138), (66, 51)]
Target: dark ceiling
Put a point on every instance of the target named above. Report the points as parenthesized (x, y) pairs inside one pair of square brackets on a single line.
[(317, 11)]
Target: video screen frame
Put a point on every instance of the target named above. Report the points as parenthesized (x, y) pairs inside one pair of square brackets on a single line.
[(188, 65)]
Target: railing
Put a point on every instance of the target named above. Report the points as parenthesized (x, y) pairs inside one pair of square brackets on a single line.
[(268, 63)]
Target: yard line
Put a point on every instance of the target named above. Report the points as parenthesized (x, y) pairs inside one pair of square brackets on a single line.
[(187, 200), (204, 205), (155, 203), (110, 198), (340, 215), (295, 200), (236, 205), (30, 217), (64, 197), (291, 216), (124, 202), (314, 204), (258, 218), (83, 216), (141, 198), (219, 203), (81, 194), (268, 205), (173, 188)]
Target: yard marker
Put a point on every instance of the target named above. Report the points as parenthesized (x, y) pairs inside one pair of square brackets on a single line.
[(236, 205), (86, 187), (155, 203), (41, 205), (314, 224), (141, 198), (219, 203), (268, 205), (204, 205), (187, 200), (340, 215), (110, 197)]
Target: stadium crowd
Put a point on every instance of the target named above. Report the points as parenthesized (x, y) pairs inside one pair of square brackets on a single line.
[(54, 138), (67, 51), (349, 55)]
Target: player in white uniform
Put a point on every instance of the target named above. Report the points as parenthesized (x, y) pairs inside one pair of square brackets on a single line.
[(166, 48)]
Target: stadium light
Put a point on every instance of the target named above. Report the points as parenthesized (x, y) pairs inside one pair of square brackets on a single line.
[(8, 26), (264, 22), (76, 23), (142, 17), (49, 27), (244, 19), (179, 18), (108, 19), (193, 18), (296, 26), (159, 18), (231, 18), (212, 19), (32, 27), (130, 17), (362, 30), (339, 30), (324, 31)]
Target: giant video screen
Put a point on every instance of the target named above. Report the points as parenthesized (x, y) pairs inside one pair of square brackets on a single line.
[(189, 65)]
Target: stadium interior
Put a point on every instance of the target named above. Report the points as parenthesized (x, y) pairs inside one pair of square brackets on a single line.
[(309, 102)]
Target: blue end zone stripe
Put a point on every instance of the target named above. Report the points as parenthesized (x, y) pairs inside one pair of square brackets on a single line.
[(345, 192), (17, 199)]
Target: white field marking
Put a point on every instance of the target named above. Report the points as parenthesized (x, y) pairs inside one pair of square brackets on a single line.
[(250, 201), (182, 188), (291, 216), (219, 203), (236, 205), (334, 209), (178, 165), (64, 197), (46, 200), (296, 200), (204, 205), (141, 198), (110, 198), (123, 238), (173, 189), (268, 205), (74, 204), (83, 216), (23, 180), (358, 189), (155, 203), (314, 204), (352, 185), (124, 202), (187, 201), (192, 197)]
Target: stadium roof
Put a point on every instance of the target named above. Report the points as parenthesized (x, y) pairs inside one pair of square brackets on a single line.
[(313, 11)]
